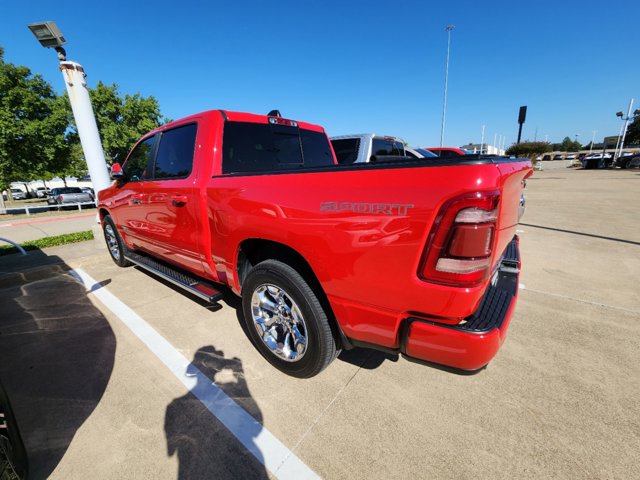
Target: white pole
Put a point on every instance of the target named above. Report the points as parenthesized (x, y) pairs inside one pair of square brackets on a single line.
[(626, 124), (482, 141), (593, 138), (615, 152), (74, 79), (495, 145), (448, 29)]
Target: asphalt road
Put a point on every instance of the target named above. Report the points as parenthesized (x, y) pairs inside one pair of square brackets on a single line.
[(560, 400)]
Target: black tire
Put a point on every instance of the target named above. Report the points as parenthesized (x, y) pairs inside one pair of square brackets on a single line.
[(320, 343), (114, 242), (13, 456)]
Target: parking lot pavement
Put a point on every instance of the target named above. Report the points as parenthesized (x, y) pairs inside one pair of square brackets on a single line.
[(559, 400), (24, 229)]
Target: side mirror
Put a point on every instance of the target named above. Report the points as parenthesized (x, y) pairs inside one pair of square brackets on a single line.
[(116, 172)]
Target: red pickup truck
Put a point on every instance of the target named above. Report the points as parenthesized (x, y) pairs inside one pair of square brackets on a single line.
[(413, 257)]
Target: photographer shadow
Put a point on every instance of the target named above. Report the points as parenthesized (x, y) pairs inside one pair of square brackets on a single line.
[(204, 446)]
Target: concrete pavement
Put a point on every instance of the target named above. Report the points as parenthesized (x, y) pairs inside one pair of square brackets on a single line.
[(559, 400), (23, 229)]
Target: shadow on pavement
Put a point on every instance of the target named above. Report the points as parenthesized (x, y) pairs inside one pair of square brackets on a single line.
[(56, 355), (204, 446)]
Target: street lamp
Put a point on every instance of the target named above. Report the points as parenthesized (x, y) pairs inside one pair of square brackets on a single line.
[(593, 137), (448, 29), (623, 132), (49, 36)]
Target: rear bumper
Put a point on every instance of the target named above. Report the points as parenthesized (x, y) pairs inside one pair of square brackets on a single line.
[(472, 344)]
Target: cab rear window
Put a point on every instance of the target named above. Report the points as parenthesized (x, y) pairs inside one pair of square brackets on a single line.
[(258, 148)]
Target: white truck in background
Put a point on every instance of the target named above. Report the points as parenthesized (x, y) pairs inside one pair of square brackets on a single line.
[(369, 147)]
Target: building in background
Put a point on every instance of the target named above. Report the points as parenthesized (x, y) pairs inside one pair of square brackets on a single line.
[(485, 149)]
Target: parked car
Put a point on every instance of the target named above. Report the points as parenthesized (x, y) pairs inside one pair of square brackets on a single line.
[(90, 191), (571, 156), (365, 147), (597, 160), (624, 159), (425, 153), (447, 152), (42, 192), (633, 162), (418, 258), (369, 147), (18, 194), (68, 196), (558, 157), (546, 157)]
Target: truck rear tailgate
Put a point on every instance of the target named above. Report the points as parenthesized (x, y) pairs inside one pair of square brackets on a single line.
[(512, 182)]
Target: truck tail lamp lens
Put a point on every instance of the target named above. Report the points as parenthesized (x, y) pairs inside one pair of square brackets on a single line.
[(460, 245)]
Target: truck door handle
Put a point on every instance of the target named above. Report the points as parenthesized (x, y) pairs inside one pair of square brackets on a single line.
[(137, 198), (179, 200)]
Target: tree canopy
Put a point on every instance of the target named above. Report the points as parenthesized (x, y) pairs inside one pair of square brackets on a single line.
[(633, 131), (528, 149), (122, 120), (567, 145), (32, 125), (38, 135)]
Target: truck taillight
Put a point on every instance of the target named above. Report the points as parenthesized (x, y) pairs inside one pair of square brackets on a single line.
[(59, 198), (460, 245)]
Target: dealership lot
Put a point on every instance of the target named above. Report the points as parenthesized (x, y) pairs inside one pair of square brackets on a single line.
[(559, 400)]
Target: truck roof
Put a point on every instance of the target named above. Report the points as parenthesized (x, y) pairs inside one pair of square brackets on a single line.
[(363, 136), (235, 117)]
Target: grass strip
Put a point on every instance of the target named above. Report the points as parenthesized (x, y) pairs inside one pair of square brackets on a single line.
[(46, 242)]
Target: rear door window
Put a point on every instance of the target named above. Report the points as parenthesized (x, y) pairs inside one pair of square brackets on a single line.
[(136, 167), (315, 149), (175, 152), (255, 147)]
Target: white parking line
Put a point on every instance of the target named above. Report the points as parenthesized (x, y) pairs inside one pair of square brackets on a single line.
[(264, 446)]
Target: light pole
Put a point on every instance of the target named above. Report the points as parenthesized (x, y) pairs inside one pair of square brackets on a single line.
[(593, 138), (49, 36), (448, 29), (482, 141), (624, 128)]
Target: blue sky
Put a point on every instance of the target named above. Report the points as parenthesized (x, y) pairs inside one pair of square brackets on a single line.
[(357, 66)]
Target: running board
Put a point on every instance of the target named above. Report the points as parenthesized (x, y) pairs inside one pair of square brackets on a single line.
[(197, 287)]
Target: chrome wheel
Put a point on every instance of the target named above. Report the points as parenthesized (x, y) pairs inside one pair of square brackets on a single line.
[(112, 241), (279, 322)]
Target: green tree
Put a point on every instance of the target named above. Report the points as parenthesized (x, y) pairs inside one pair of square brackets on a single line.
[(32, 125), (528, 149), (633, 131), (569, 145), (121, 121)]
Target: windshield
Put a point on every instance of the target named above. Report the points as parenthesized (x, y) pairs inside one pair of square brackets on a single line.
[(425, 153)]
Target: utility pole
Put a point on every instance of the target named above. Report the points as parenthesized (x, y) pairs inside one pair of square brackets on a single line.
[(593, 138), (448, 29), (482, 140)]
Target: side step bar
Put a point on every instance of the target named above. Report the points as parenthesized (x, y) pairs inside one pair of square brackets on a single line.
[(197, 287)]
